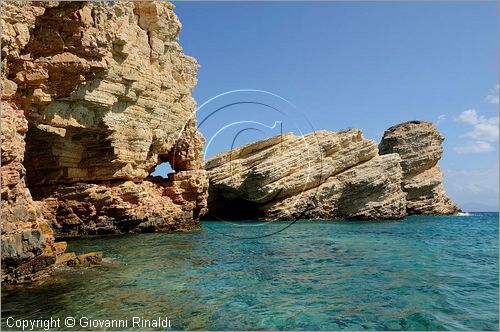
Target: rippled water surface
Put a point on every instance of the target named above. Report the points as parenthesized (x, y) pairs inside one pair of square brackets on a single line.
[(426, 273)]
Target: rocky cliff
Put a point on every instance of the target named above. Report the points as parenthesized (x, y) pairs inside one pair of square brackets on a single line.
[(27, 239), (418, 144), (94, 96), (331, 175)]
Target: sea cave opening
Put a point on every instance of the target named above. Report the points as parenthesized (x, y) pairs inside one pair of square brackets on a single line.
[(237, 209)]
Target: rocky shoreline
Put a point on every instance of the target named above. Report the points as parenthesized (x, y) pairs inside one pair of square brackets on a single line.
[(95, 95)]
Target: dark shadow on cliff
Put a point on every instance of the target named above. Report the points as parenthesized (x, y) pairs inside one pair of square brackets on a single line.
[(221, 208), (232, 210), (243, 205)]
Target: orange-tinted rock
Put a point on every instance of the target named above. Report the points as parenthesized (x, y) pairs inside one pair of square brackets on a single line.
[(26, 238), (98, 94)]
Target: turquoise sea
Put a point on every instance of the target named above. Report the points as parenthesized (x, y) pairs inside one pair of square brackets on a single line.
[(425, 273)]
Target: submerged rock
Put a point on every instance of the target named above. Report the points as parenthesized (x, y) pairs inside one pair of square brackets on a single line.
[(419, 145), (84, 260)]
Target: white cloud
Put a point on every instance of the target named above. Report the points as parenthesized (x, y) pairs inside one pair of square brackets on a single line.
[(441, 118), (474, 147), (473, 181), (493, 96), (473, 189), (483, 128), (469, 116)]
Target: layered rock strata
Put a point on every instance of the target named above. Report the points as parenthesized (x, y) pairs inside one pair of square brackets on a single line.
[(322, 175), (418, 144), (29, 249), (103, 91), (331, 175), (27, 240)]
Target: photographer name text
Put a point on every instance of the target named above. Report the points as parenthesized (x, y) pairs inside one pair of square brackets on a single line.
[(86, 322)]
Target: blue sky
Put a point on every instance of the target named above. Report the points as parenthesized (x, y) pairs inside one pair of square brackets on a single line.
[(362, 65)]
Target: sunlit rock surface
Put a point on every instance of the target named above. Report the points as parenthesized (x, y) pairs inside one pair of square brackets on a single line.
[(100, 94), (322, 175), (419, 145), (331, 175)]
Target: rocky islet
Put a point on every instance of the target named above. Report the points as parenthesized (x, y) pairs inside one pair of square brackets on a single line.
[(332, 175)]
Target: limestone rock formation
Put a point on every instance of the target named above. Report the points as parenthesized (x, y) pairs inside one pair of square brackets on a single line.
[(27, 240), (322, 175), (111, 207), (329, 175), (419, 145), (100, 94), (107, 93)]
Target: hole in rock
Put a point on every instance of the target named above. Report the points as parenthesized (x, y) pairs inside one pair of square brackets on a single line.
[(163, 170)]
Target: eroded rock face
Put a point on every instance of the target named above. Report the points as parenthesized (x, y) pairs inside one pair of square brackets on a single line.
[(101, 94), (27, 240), (323, 175), (107, 87), (419, 145), (107, 93), (122, 207), (329, 175)]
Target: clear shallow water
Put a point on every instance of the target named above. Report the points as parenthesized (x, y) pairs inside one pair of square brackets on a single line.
[(426, 273)]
